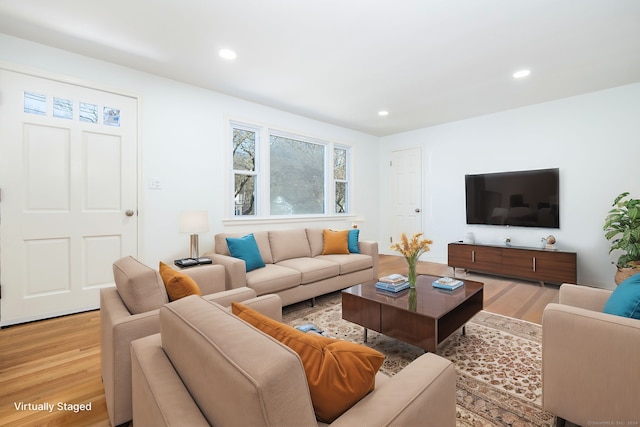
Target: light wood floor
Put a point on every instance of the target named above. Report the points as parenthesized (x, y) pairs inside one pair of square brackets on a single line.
[(58, 360)]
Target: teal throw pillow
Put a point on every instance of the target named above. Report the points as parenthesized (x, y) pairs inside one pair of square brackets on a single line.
[(246, 249), (625, 299), (353, 241)]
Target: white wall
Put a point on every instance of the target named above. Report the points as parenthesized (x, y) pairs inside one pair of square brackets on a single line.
[(593, 139), (183, 143)]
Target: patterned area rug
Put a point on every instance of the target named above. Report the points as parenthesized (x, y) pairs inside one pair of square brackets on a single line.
[(498, 361)]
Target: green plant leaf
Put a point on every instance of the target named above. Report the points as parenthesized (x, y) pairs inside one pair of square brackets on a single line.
[(620, 197)]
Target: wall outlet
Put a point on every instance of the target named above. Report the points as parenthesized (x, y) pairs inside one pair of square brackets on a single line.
[(155, 184)]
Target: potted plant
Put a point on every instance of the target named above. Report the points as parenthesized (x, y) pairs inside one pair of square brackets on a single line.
[(622, 228)]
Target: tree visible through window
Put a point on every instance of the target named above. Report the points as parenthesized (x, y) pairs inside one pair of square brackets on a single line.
[(296, 177), (340, 179), (295, 172), (244, 171)]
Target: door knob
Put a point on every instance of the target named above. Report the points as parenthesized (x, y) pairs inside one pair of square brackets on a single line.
[(417, 210), (129, 212)]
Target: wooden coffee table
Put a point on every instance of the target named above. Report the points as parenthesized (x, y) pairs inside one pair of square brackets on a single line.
[(436, 314)]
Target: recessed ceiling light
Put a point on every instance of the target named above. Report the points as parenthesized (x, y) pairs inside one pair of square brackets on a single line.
[(227, 54), (383, 113), (520, 74)]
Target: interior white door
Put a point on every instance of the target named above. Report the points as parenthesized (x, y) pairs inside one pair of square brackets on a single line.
[(68, 182), (405, 192)]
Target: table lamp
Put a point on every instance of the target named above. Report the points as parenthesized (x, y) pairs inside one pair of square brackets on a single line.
[(194, 222)]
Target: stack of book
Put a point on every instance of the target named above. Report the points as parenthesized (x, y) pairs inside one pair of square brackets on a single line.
[(393, 283), (447, 283)]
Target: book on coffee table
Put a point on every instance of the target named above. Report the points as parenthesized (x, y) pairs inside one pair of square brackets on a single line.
[(447, 283), (392, 287), (393, 278)]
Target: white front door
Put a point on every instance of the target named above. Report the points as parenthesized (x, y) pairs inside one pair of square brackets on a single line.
[(405, 192), (68, 193)]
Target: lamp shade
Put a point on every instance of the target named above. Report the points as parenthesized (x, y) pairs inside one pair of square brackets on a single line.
[(194, 222)]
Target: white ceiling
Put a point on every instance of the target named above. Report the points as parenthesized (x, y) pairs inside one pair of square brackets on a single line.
[(341, 61)]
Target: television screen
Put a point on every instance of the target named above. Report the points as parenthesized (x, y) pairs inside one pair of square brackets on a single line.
[(523, 198)]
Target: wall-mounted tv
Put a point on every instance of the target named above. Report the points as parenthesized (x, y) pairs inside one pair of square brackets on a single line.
[(528, 198)]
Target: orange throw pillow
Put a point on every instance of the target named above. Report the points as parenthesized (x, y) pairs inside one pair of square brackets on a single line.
[(339, 373), (178, 285), (335, 242)]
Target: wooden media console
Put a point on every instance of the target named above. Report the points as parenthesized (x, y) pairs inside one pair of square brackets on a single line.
[(541, 265)]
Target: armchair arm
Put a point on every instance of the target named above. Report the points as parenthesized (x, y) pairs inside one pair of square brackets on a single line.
[(589, 365), (423, 393), (160, 398), (370, 248), (270, 305), (234, 269), (225, 298), (586, 297), (210, 278), (118, 329)]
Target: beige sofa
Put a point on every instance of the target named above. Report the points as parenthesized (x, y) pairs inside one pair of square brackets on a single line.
[(295, 267), (130, 311), (590, 366), (208, 367)]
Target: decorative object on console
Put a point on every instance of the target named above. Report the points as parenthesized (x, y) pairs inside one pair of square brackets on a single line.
[(469, 238), (194, 222), (412, 250), (551, 243), (622, 228)]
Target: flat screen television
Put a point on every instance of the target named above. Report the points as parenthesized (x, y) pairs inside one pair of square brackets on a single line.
[(528, 198)]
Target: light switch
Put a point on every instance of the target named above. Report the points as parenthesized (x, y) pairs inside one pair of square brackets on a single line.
[(155, 184)]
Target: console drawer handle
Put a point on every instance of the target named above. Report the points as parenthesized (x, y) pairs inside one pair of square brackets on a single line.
[(534, 263)]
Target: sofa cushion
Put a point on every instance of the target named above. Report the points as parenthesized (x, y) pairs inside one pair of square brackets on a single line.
[(335, 242), (178, 285), (316, 240), (287, 244), (339, 373), (236, 375), (246, 249), (625, 299), (272, 278), (312, 269), (140, 287), (262, 240), (354, 235), (349, 263)]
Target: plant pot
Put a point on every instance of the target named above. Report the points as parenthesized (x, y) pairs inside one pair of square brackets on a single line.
[(623, 273)]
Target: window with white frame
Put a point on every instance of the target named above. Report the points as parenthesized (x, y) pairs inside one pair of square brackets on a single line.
[(245, 173), (278, 174)]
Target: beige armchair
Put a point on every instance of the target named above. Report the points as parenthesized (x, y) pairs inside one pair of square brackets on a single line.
[(130, 311), (590, 369)]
